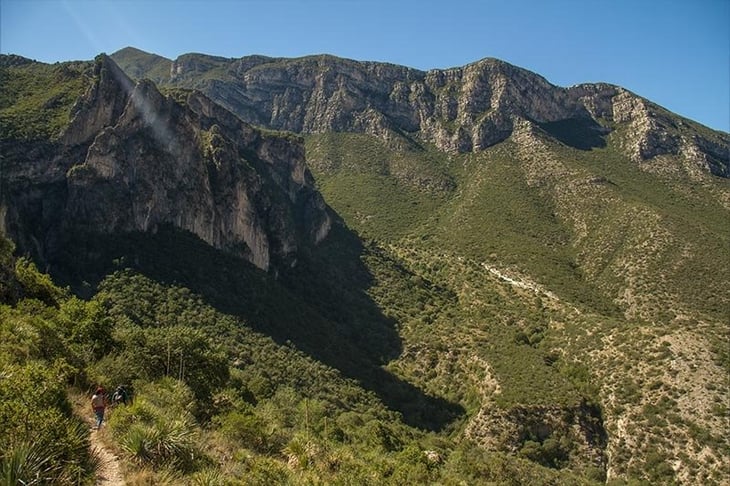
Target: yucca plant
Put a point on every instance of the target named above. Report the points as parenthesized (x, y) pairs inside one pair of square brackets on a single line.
[(174, 442), (62, 459), (301, 452), (27, 463), (163, 443), (208, 477), (137, 442), (156, 476)]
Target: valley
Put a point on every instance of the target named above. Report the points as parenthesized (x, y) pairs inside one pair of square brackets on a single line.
[(324, 271)]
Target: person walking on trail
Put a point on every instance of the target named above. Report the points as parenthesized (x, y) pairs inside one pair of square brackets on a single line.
[(98, 404)]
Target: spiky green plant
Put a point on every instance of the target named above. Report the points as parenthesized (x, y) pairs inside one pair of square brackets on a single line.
[(27, 463)]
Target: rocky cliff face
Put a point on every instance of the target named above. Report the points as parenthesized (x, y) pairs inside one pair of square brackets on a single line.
[(133, 159), (460, 110)]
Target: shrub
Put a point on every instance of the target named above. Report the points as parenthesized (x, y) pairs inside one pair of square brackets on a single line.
[(35, 284), (208, 477), (242, 426), (27, 463)]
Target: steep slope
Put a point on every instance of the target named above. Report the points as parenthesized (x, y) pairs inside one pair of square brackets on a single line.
[(132, 159), (616, 273), (605, 214), (139, 64)]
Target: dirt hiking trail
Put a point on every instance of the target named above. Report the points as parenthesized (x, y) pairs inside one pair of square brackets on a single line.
[(109, 473)]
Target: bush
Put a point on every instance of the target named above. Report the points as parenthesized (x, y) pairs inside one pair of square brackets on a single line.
[(245, 428), (178, 351), (37, 285), (163, 443)]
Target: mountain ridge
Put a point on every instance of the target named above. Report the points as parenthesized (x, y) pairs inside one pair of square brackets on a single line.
[(460, 109)]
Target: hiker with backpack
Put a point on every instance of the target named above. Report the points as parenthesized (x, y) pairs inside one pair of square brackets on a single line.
[(120, 395)]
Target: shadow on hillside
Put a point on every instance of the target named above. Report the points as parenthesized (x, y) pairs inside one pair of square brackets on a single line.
[(320, 306), (580, 133)]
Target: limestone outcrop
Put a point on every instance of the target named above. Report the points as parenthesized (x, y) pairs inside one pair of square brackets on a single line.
[(133, 159)]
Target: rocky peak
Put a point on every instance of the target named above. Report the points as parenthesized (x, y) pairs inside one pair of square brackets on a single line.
[(191, 65), (652, 131), (10, 60), (149, 160), (103, 102)]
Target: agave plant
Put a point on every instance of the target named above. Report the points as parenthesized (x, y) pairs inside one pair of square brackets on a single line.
[(137, 442), (174, 442), (64, 461)]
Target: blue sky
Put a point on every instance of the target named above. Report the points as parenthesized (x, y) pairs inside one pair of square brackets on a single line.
[(673, 52)]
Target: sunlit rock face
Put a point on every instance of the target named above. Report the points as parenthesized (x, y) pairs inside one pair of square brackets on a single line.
[(146, 160)]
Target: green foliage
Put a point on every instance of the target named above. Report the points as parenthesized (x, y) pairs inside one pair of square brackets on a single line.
[(388, 194), (180, 95), (29, 464), (490, 468), (553, 452), (56, 327), (168, 443), (36, 285), (342, 433), (208, 477), (693, 233), (8, 282), (658, 469), (580, 376), (36, 99), (158, 428), (179, 351), (43, 338), (41, 442), (381, 191), (87, 329), (244, 427)]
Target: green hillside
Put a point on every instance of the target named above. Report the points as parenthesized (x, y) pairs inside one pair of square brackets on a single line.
[(238, 404), (36, 99), (566, 227), (578, 276), (139, 65)]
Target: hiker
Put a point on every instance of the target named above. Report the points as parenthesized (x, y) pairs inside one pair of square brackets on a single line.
[(98, 404), (120, 395)]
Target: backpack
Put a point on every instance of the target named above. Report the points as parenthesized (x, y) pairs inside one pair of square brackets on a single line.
[(97, 401)]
